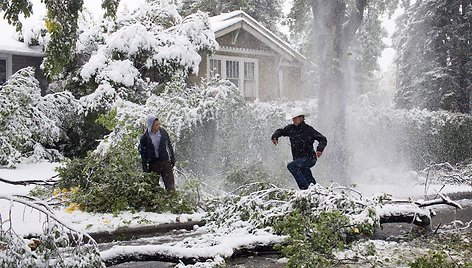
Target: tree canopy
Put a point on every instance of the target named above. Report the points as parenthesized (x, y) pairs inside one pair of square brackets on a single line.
[(434, 46), (267, 12)]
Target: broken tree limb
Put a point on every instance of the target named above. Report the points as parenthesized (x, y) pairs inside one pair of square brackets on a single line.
[(444, 200), (47, 182), (407, 213), (165, 253), (414, 212), (48, 213)]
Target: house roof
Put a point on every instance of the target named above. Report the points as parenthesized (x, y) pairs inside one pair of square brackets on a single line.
[(9, 44), (228, 22)]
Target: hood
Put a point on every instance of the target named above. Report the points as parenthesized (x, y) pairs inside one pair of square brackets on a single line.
[(150, 120)]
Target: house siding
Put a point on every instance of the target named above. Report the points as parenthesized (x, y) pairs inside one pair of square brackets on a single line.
[(247, 46), (20, 62)]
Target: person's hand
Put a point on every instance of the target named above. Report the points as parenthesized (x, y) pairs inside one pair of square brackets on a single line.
[(275, 141), (318, 154)]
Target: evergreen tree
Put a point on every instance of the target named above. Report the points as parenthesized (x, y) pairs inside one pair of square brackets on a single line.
[(267, 12), (434, 46)]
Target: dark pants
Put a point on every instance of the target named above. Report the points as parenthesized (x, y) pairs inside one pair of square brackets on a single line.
[(164, 169), (300, 169)]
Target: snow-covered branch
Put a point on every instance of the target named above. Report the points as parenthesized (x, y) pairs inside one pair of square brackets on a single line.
[(46, 182), (48, 213)]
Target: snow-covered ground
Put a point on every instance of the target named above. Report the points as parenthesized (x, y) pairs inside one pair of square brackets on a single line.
[(26, 221), (401, 184), (200, 243)]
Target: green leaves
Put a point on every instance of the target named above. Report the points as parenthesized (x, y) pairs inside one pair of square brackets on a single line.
[(61, 23), (315, 222), (110, 7), (114, 182), (13, 9)]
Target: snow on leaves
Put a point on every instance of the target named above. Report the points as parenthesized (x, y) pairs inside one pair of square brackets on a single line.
[(148, 46), (29, 121)]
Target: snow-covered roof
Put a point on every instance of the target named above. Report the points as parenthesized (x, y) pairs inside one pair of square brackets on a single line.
[(228, 22), (9, 43)]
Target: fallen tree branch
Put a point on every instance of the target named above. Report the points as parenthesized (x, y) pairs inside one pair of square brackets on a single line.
[(164, 253), (414, 212), (47, 213), (47, 182), (444, 200)]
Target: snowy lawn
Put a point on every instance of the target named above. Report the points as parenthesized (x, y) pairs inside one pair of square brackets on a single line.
[(26, 221), (203, 245)]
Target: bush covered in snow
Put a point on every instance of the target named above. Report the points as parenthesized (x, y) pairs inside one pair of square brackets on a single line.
[(58, 246), (417, 137), (31, 124), (315, 222)]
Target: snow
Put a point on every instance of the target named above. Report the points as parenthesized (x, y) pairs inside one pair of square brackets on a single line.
[(129, 40), (206, 247), (400, 184), (27, 221), (225, 20), (204, 243), (9, 41), (97, 222)]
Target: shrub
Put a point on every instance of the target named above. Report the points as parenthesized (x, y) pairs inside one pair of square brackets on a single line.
[(433, 259), (114, 181)]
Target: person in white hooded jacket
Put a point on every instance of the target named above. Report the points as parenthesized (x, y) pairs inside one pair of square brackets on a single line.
[(157, 153)]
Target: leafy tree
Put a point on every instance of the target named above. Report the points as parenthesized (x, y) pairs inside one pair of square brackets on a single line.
[(138, 54), (61, 23), (343, 39), (366, 49), (13, 9), (28, 121), (267, 12), (435, 56)]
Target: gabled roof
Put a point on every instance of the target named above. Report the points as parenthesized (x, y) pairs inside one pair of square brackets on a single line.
[(228, 22)]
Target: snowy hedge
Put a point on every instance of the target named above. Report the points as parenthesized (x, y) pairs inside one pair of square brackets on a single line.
[(31, 124), (416, 137)]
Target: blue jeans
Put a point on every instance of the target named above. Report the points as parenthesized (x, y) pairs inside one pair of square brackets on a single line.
[(300, 169)]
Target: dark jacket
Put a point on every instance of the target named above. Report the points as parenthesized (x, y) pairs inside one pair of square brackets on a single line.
[(146, 149), (302, 138)]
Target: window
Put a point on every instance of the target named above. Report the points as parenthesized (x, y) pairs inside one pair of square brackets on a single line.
[(249, 80), (215, 67), (3, 71), (5, 67), (242, 72), (232, 72)]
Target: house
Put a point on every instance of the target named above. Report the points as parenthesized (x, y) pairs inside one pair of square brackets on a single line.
[(12, 60), (15, 55), (260, 64)]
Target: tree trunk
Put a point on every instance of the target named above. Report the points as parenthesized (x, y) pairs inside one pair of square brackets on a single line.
[(334, 32)]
